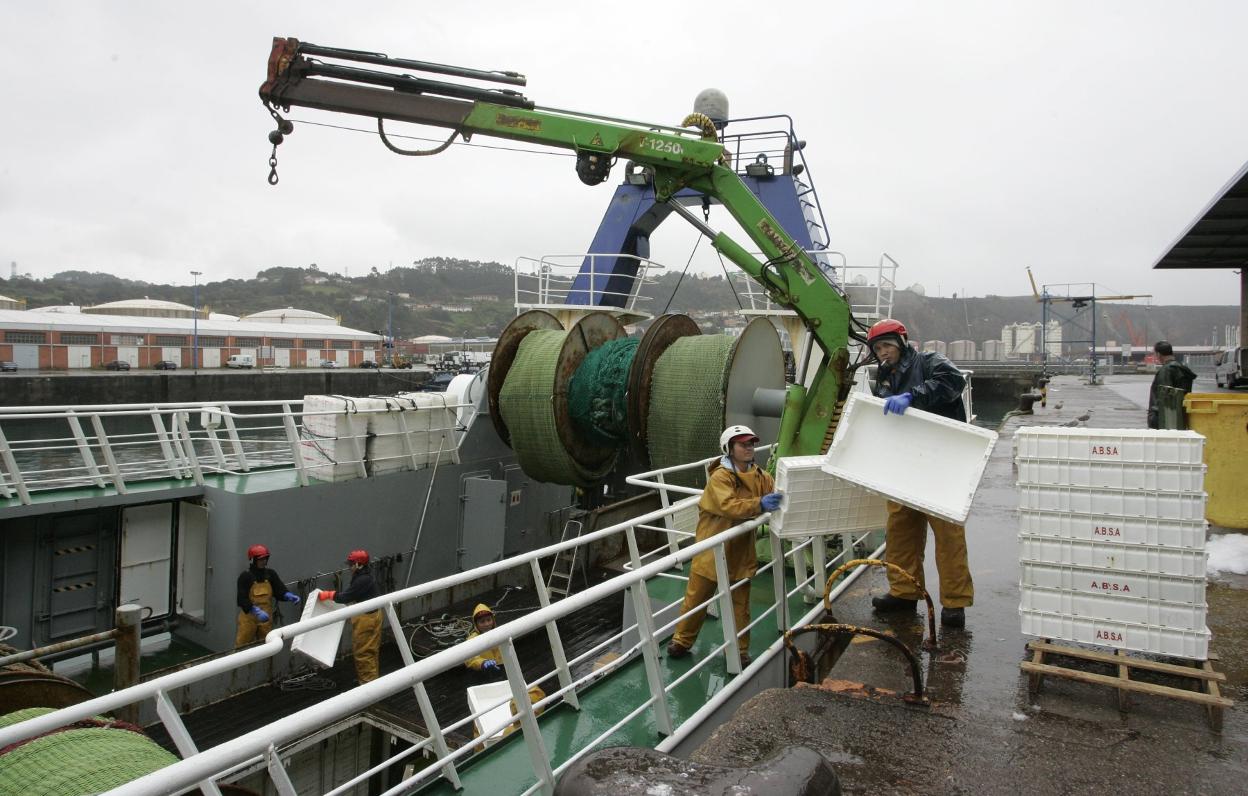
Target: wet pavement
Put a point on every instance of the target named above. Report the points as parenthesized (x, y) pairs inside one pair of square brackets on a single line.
[(983, 732)]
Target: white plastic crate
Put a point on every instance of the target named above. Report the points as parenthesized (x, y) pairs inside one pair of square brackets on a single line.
[(1112, 556), (1114, 502), (1109, 474), (1144, 446), (1105, 582), (1183, 534), (922, 460), (321, 645), (1190, 644), (430, 433), (332, 446), (491, 725), (817, 504), (1114, 609)]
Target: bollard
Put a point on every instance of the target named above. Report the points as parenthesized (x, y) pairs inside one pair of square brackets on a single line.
[(1025, 403), (126, 662)]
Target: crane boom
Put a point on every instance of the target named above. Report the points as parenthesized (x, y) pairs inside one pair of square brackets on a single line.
[(680, 158)]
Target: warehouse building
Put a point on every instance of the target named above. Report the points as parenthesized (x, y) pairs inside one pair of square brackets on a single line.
[(143, 332)]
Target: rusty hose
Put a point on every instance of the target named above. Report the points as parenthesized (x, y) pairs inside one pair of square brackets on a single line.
[(855, 630), (875, 562)]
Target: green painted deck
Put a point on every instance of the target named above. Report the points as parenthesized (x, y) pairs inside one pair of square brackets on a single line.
[(245, 483), (505, 768)]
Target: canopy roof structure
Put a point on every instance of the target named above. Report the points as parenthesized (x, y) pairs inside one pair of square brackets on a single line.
[(1218, 237)]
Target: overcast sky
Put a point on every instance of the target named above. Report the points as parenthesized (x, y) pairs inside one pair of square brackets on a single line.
[(966, 140)]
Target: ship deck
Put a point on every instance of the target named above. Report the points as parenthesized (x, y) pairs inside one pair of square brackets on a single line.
[(226, 719), (565, 730)]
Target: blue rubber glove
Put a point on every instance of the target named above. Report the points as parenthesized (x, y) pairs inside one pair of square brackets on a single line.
[(291, 597), (489, 665), (897, 404), (770, 501), (262, 616)]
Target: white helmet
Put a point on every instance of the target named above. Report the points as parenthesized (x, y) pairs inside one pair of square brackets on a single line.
[(731, 433)]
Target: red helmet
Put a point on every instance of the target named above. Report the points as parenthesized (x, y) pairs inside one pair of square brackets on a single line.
[(886, 327), (257, 551), (357, 557)]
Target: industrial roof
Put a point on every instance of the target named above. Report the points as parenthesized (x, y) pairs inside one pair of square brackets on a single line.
[(290, 315), (144, 304), (37, 320), (1218, 238)]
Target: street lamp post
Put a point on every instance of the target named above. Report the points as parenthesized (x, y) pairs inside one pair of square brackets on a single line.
[(195, 321), (389, 346)]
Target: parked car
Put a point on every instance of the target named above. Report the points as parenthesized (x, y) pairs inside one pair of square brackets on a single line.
[(368, 363), (165, 364), (117, 364), (241, 361), (329, 363), (8, 367), (1230, 368)]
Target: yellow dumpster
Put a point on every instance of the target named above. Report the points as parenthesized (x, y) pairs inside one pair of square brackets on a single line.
[(1223, 419)]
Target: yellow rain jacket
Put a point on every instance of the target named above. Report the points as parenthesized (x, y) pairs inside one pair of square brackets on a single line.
[(729, 499), (492, 654)]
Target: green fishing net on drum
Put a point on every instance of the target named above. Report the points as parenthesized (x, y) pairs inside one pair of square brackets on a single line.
[(596, 394)]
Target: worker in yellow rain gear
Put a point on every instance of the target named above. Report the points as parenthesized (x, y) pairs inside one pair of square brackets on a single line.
[(928, 381), (365, 628), (736, 490), (257, 587), (490, 662), (492, 659)]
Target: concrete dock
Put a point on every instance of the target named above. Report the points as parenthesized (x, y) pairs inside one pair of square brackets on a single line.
[(984, 732)]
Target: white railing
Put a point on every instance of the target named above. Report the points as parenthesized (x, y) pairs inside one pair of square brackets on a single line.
[(265, 746), (113, 446), (868, 288), (552, 280)]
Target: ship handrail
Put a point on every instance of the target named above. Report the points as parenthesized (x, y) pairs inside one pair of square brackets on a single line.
[(199, 767), (273, 642), (549, 280), (177, 451)]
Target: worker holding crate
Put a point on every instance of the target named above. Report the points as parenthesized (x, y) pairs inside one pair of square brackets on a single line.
[(928, 381), (365, 628), (736, 490)]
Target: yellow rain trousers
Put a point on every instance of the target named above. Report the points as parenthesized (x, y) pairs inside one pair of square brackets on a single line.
[(249, 628), (366, 645), (906, 537), (729, 499)]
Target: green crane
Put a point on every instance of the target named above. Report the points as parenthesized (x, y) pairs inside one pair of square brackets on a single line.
[(679, 158)]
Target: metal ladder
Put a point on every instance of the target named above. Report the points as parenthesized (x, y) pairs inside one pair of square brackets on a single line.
[(559, 582)]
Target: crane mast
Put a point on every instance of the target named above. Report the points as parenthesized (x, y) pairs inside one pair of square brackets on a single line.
[(679, 158)]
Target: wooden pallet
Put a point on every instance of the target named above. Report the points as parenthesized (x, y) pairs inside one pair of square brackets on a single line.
[(1207, 680)]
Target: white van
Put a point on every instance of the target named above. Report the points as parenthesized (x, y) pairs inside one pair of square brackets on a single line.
[(241, 361), (1232, 367)]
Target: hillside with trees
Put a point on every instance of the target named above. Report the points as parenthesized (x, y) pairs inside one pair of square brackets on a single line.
[(462, 298)]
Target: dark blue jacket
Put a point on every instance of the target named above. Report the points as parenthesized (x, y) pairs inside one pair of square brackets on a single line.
[(934, 383), (362, 588)]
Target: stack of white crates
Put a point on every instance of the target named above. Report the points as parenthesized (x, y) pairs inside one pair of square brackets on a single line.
[(1112, 538)]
